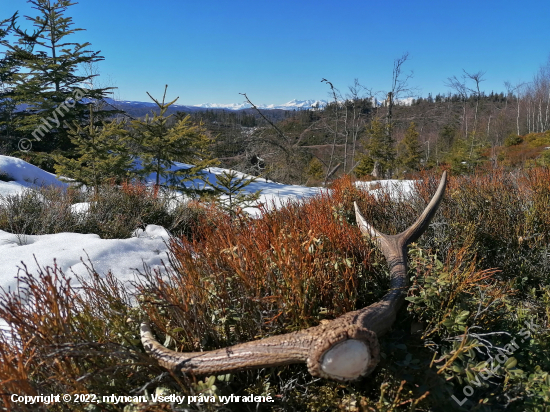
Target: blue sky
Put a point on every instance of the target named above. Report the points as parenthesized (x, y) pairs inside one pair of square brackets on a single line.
[(275, 51)]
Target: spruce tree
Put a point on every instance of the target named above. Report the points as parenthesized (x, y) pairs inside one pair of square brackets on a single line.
[(380, 148), (409, 150), (50, 85), (463, 158), (102, 154), (8, 67), (364, 166), (315, 169), (231, 185), (159, 146)]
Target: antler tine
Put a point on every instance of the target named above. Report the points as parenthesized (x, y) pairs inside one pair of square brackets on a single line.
[(365, 227), (343, 349), (413, 232), (420, 225)]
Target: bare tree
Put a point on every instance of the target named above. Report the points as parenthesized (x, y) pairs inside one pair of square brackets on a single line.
[(400, 88), (354, 117), (335, 95), (459, 86), (281, 148), (511, 89), (477, 78)]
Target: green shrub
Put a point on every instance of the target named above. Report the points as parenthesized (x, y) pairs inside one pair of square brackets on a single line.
[(37, 212), (513, 140), (115, 213), (538, 139)]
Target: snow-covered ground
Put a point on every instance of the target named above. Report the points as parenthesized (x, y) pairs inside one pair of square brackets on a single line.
[(120, 256), (398, 188), (73, 251), (24, 175)]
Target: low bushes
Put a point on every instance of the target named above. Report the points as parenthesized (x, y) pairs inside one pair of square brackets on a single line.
[(114, 213), (478, 274)]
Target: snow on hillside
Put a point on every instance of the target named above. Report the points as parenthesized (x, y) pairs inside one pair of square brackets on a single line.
[(400, 189), (69, 250), (23, 175), (272, 193), (121, 256)]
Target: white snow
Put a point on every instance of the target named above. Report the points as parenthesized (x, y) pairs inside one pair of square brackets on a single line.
[(272, 193), (401, 189), (24, 175), (121, 256), (80, 208), (291, 105)]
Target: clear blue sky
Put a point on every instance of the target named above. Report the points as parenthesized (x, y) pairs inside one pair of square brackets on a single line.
[(275, 51)]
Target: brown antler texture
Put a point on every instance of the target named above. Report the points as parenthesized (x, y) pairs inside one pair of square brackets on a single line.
[(343, 349)]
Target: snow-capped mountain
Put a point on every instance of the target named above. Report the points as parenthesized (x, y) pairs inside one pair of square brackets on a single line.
[(291, 105), (142, 108), (407, 101)]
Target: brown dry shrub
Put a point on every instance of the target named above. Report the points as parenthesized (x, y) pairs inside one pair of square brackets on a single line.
[(244, 278), (68, 336), (240, 279)]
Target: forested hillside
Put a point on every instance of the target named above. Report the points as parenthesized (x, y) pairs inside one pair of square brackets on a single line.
[(459, 131)]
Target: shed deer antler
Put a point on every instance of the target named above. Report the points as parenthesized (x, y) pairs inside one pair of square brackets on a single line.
[(343, 349)]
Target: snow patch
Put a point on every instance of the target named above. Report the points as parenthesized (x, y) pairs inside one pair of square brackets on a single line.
[(121, 256)]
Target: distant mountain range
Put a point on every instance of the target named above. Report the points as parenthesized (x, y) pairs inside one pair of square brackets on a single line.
[(139, 109), (291, 105)]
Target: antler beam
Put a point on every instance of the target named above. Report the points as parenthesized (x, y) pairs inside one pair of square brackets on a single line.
[(343, 349)]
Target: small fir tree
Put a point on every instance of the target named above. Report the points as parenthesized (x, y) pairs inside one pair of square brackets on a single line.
[(231, 185), (409, 150), (463, 158), (315, 169), (364, 166), (103, 154), (159, 146), (380, 148)]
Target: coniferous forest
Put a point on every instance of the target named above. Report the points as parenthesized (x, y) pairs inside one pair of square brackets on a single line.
[(473, 334)]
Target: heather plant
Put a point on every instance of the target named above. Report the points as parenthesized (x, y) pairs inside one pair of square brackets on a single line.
[(67, 336), (477, 275), (114, 212), (117, 212), (38, 211)]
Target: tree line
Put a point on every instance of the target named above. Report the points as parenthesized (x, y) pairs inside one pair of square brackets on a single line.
[(42, 72)]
